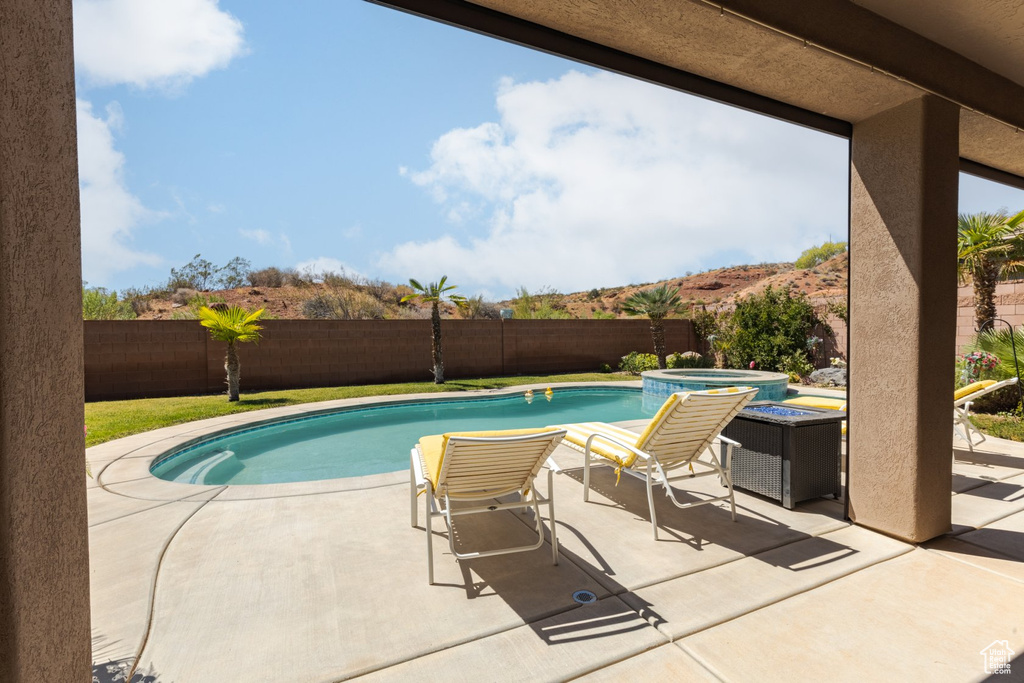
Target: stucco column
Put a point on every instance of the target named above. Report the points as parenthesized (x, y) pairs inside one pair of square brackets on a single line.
[(44, 562), (903, 203)]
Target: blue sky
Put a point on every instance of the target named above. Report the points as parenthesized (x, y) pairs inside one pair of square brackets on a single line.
[(339, 134)]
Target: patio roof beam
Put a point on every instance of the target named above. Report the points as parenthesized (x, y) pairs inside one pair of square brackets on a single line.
[(512, 29)]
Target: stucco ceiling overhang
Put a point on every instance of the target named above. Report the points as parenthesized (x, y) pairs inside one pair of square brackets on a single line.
[(845, 60)]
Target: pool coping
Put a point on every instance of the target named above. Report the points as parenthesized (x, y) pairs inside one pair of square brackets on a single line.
[(124, 464)]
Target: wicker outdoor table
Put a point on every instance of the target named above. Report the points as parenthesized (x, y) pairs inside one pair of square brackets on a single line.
[(788, 453)]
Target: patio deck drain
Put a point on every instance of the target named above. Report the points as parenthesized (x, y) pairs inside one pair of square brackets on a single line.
[(584, 597)]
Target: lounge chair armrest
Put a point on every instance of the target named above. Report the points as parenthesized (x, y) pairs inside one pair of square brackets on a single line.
[(552, 465), (605, 437), (727, 440), (417, 465)]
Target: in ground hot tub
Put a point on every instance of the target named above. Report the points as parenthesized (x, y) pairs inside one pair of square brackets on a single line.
[(771, 386)]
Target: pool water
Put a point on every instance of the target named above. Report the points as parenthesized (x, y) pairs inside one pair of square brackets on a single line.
[(377, 439)]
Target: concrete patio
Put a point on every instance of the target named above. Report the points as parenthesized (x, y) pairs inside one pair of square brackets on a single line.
[(325, 581)]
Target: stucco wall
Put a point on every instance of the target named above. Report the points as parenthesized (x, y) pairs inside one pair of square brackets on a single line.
[(902, 303), (44, 563), (135, 358)]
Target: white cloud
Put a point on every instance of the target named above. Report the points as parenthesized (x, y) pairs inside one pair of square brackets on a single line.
[(261, 237), (326, 264), (109, 211), (155, 43), (592, 180), (265, 238)]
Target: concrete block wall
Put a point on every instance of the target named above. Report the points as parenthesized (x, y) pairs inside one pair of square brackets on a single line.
[(144, 358), (1009, 307), (149, 358)]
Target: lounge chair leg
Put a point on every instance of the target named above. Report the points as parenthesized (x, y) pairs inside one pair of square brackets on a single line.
[(586, 476), (650, 501), (551, 519), (727, 476), (430, 535), (412, 495)]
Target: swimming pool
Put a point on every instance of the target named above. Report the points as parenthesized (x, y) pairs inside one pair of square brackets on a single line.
[(771, 386), (376, 439)]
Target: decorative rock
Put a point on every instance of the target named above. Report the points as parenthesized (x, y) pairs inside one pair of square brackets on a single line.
[(834, 377)]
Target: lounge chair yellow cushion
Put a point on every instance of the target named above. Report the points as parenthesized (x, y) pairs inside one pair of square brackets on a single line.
[(971, 388), (818, 402), (432, 447), (577, 435), (665, 408)]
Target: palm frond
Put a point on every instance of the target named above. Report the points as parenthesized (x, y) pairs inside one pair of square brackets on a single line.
[(655, 303), (233, 324), (432, 292)]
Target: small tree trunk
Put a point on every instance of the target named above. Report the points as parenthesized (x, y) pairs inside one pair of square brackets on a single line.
[(658, 334), (985, 279), (435, 323), (233, 368)]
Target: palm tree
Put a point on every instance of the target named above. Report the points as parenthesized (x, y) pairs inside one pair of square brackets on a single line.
[(232, 325), (435, 293), (989, 247), (656, 304)]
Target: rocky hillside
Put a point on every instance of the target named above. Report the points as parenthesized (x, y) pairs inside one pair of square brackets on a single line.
[(723, 286), (351, 299)]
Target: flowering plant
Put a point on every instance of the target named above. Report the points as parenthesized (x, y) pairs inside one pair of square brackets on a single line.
[(837, 362), (977, 362)]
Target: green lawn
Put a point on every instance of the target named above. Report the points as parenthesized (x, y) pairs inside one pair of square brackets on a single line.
[(108, 420), (1001, 426)]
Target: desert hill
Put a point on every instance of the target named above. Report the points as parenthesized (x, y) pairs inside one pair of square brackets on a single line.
[(346, 298)]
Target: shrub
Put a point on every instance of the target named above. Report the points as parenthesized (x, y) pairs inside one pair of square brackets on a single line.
[(234, 274), (194, 302), (320, 307), (140, 299), (604, 367), (332, 279), (594, 294), (690, 359), (183, 295), (545, 304), (603, 315), (140, 305), (266, 277), (796, 366), (99, 304), (382, 291), (818, 255), (769, 327), (343, 305), (196, 274), (635, 362), (998, 344), (476, 308)]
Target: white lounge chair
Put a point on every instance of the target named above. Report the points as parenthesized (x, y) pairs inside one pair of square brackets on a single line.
[(477, 466), (686, 426), (962, 401)]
